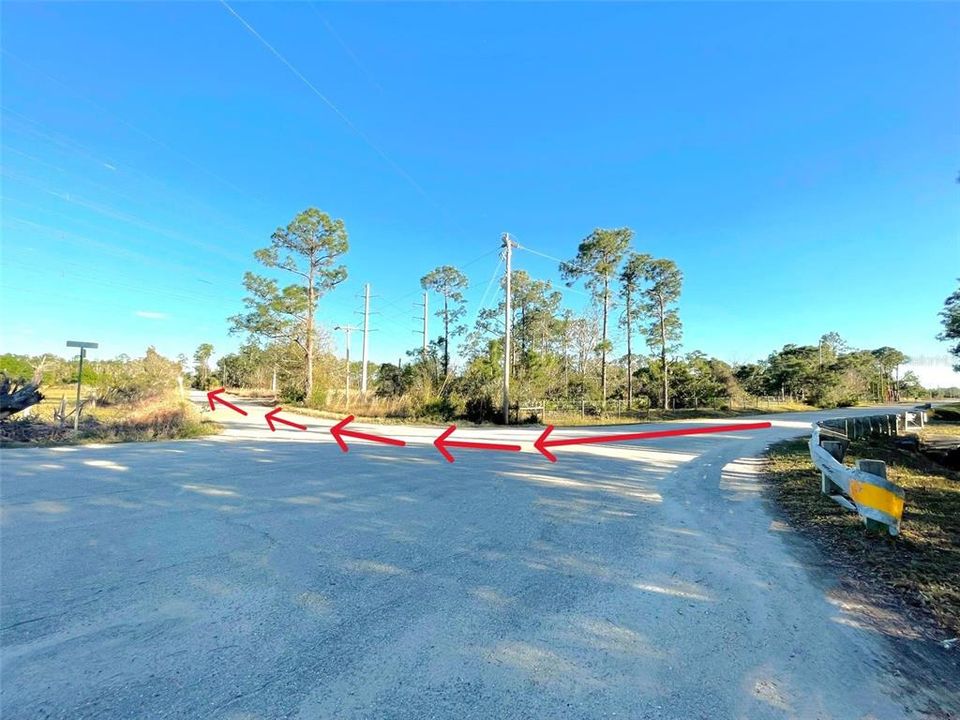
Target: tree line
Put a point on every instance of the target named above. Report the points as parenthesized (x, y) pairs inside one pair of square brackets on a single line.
[(557, 355)]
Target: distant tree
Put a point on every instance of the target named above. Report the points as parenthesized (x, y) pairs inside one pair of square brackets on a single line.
[(184, 363), (16, 366), (909, 386), (950, 317), (309, 248), (831, 347), (752, 378), (392, 380), (663, 282), (535, 304), (201, 357), (630, 279), (794, 371), (584, 336), (889, 361), (537, 332), (449, 283), (701, 380), (597, 260)]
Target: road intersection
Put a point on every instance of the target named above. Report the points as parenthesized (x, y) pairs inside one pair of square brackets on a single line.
[(261, 574)]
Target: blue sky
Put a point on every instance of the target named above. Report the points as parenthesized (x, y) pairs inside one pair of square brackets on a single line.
[(797, 161)]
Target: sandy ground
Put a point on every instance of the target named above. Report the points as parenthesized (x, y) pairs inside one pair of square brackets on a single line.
[(270, 575)]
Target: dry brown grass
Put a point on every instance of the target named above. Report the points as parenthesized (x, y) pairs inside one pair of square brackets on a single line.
[(256, 393), (940, 429), (613, 417), (921, 568), (165, 418)]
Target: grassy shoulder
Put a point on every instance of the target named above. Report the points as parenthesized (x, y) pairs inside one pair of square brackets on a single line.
[(920, 569), (388, 413), (944, 421), (946, 413), (163, 418), (611, 417)]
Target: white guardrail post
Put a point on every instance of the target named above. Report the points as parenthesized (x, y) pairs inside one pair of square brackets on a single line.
[(865, 488), (914, 420)]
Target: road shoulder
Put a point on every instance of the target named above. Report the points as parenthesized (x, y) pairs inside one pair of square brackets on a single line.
[(903, 590)]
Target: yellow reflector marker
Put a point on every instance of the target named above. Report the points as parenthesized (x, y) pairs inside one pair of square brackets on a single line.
[(877, 498)]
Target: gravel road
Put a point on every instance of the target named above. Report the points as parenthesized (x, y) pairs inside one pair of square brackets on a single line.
[(270, 575)]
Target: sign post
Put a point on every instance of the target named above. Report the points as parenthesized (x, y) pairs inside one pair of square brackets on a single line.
[(83, 353)]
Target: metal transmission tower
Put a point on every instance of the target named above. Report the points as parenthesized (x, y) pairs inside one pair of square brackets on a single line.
[(426, 336), (508, 245)]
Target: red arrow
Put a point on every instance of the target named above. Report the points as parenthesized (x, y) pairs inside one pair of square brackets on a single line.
[(338, 432), (272, 417), (214, 395), (442, 444), (542, 443)]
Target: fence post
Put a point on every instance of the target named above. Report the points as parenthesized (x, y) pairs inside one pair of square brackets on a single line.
[(879, 468), (836, 450)]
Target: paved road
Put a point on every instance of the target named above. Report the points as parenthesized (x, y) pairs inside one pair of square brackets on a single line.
[(268, 575)]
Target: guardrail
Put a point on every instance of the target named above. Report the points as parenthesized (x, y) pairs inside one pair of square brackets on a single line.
[(864, 488), (914, 420)]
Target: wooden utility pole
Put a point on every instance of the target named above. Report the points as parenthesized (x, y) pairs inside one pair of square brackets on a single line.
[(508, 248), (347, 329)]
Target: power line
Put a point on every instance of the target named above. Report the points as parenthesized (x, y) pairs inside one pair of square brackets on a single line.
[(140, 131), (48, 274), (123, 253), (493, 278), (564, 289), (66, 143), (119, 215), (537, 252), (34, 158), (346, 48), (401, 311), (343, 117)]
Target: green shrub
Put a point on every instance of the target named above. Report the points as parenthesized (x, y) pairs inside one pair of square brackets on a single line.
[(318, 398), (15, 366), (128, 380), (292, 393), (481, 409), (441, 408), (950, 413)]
